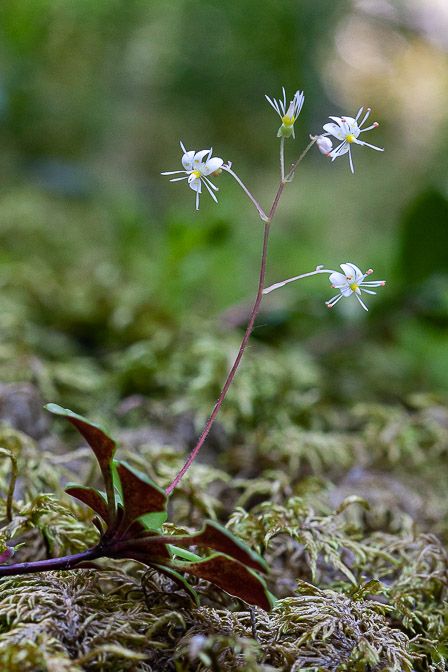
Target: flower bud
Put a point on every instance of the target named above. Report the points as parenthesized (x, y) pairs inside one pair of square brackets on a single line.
[(324, 144)]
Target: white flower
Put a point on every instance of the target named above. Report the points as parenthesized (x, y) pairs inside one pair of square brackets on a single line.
[(199, 166), (351, 281), (288, 116), (347, 129)]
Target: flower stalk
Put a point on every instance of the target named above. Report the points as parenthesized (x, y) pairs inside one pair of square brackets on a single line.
[(345, 129)]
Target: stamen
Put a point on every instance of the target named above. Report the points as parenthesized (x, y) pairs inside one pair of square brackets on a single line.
[(368, 111)]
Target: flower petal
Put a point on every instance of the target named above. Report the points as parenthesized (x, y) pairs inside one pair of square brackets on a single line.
[(212, 164), (361, 142), (199, 156), (347, 120), (351, 160), (195, 184), (338, 120), (362, 303), (274, 105), (334, 130), (340, 150), (337, 279), (187, 160), (353, 273)]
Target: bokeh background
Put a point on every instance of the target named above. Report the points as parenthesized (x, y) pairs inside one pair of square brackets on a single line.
[(105, 265)]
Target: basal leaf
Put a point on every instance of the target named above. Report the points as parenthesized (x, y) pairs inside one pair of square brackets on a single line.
[(219, 539), (229, 575), (101, 443), (140, 495), (91, 497)]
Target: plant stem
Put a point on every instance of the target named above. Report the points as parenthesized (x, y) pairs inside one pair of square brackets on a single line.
[(261, 212), (319, 269), (66, 562), (234, 368), (282, 158)]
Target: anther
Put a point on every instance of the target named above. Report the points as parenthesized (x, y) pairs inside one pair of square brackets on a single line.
[(376, 124)]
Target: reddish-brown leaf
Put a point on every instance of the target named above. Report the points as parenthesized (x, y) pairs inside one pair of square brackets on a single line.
[(100, 442), (216, 537), (91, 497), (140, 495), (229, 575)]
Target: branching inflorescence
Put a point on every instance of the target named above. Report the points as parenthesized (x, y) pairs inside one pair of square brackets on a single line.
[(131, 511), (352, 282)]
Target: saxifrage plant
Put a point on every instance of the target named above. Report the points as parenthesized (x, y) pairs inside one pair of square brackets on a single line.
[(129, 516)]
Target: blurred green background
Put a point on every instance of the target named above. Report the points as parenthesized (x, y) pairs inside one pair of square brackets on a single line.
[(105, 265)]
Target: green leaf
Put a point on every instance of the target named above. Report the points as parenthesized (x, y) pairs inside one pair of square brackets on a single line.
[(154, 521), (183, 553), (229, 575), (140, 495), (101, 443), (91, 497)]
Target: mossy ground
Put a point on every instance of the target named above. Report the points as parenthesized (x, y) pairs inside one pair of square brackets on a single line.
[(346, 504)]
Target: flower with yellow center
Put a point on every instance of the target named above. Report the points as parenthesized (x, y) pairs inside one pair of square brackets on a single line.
[(198, 168), (348, 130), (351, 281), (288, 116)]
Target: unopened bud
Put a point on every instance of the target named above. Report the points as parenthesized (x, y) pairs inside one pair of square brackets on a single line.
[(324, 144)]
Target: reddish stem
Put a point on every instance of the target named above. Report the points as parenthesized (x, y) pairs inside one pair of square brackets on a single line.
[(67, 562), (234, 368)]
